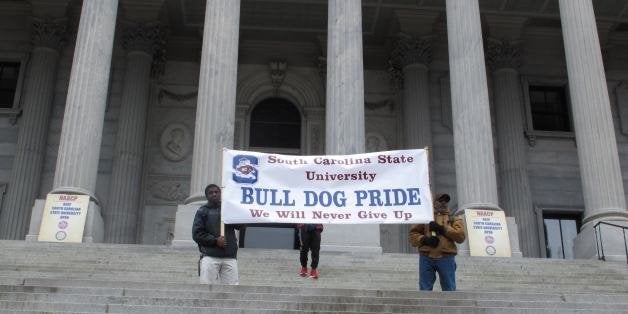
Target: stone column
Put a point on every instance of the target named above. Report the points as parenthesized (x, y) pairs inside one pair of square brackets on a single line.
[(504, 58), (413, 55), (345, 79), (81, 134), (141, 42), (344, 111), (31, 141), (215, 110), (602, 184), (473, 139)]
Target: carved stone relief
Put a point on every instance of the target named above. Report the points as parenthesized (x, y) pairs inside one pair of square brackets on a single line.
[(375, 142), (175, 142), (277, 73), (169, 191)]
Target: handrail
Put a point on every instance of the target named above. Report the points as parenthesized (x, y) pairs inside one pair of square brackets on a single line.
[(599, 245)]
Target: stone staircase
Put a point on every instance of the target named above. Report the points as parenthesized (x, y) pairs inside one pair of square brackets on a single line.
[(104, 278)]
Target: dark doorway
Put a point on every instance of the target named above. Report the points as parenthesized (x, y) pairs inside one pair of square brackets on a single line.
[(560, 232), (275, 127)]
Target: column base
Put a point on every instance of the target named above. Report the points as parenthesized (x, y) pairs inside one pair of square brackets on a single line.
[(94, 231), (609, 242), (351, 238), (183, 225)]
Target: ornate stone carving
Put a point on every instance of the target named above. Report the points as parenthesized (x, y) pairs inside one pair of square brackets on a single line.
[(375, 143), (411, 49), (49, 33), (172, 191), (395, 76), (277, 73), (501, 54), (374, 105), (178, 97), (321, 63), (175, 142), (408, 49), (149, 38)]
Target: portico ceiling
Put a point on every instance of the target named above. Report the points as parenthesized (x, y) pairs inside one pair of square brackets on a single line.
[(307, 18), (266, 24)]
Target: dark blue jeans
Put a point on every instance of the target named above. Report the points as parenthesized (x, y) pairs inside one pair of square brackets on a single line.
[(446, 268)]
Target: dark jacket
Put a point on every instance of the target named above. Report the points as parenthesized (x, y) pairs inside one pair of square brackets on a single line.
[(206, 230), (310, 227), (454, 232)]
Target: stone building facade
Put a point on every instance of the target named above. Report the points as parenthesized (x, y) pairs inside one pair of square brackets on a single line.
[(523, 103)]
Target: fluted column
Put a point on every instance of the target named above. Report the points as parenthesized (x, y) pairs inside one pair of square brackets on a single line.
[(473, 140), (515, 197), (141, 43), (602, 184), (215, 111), (81, 134), (413, 55), (344, 111), (31, 141), (345, 79)]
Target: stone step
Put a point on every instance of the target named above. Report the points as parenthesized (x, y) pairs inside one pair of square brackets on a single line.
[(120, 288), (298, 302)]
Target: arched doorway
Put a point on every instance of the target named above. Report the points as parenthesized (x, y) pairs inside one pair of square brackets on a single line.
[(275, 126)]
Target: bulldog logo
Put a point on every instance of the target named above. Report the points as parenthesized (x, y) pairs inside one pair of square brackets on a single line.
[(245, 169)]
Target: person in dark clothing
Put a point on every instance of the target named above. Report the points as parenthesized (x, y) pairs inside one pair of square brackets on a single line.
[(310, 240), (218, 261)]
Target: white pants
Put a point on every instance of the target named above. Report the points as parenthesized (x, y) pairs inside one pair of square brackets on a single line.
[(216, 270)]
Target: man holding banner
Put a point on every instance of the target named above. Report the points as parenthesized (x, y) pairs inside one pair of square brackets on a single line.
[(218, 262), (436, 246)]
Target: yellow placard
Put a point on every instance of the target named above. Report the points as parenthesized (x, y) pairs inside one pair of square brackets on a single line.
[(487, 233), (63, 219)]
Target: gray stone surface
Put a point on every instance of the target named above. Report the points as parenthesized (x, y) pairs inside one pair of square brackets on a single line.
[(121, 212), (602, 184), (515, 195), (31, 141), (473, 138), (79, 148), (344, 111)]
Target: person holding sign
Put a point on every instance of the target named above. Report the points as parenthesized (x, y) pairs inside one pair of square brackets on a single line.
[(437, 249), (310, 241), (218, 262)]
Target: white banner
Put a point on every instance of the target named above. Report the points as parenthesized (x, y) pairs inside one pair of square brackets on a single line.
[(384, 187)]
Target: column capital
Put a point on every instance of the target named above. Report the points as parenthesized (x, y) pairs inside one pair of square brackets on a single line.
[(50, 33), (503, 54), (412, 49), (148, 38), (408, 50)]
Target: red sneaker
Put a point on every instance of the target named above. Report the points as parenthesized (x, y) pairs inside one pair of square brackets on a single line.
[(314, 274), (303, 272)]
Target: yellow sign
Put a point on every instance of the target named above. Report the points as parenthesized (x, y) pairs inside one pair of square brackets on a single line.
[(63, 219), (487, 233)]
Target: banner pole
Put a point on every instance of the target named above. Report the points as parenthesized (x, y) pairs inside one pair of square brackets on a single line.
[(222, 186)]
